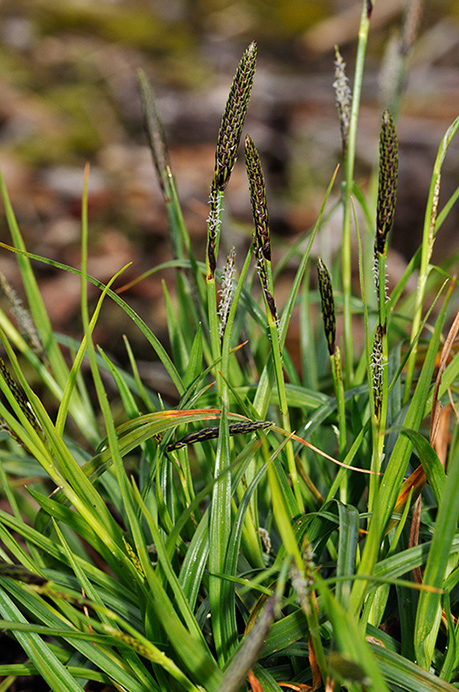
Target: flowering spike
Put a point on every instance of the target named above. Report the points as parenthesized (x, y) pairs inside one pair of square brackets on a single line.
[(328, 304), (258, 198), (228, 140), (213, 228), (387, 189), (23, 317), (19, 396), (233, 118), (260, 219), (212, 432), (155, 133), (227, 291), (343, 97), (377, 368)]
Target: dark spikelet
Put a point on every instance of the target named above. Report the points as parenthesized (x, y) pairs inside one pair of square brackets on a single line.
[(377, 366), (387, 188), (271, 304), (260, 219), (328, 304), (19, 396), (249, 651), (233, 117), (263, 276), (155, 133), (343, 98), (369, 6), (212, 433), (258, 198), (20, 573), (213, 229), (23, 317), (227, 291)]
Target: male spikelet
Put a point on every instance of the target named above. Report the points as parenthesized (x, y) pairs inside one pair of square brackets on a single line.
[(387, 188), (377, 370), (228, 140), (155, 133), (260, 220), (227, 291), (343, 98), (328, 304), (20, 399), (23, 317), (233, 118)]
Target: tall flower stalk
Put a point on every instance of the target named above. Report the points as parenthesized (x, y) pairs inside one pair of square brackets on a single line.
[(387, 193), (329, 320), (228, 140), (349, 162), (431, 225), (262, 245), (225, 157)]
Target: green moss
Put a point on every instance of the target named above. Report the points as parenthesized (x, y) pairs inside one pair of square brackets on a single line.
[(75, 126), (130, 25)]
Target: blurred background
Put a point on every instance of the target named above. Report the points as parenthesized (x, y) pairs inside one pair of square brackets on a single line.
[(68, 95)]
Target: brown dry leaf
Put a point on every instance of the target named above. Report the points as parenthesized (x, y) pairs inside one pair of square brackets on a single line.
[(436, 406), (414, 536), (443, 437), (316, 677), (254, 683)]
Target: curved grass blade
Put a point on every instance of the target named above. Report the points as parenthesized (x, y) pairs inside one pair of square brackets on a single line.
[(45, 661), (146, 331)]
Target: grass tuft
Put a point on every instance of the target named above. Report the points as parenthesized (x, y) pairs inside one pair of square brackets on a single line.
[(308, 537)]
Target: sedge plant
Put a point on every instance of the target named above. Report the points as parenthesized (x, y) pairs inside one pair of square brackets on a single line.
[(278, 527)]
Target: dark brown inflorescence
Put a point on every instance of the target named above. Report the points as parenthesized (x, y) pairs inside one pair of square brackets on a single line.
[(228, 140), (19, 396), (258, 198), (212, 433), (377, 368), (328, 304), (234, 117), (387, 188), (260, 219), (155, 133), (343, 98)]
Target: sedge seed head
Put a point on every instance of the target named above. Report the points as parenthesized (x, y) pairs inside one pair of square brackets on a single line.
[(387, 188), (343, 98), (258, 198), (328, 305), (155, 133), (20, 397), (23, 317), (227, 291), (262, 241), (234, 117), (377, 370)]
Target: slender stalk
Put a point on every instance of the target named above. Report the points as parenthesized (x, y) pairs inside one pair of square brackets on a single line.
[(213, 237), (228, 140), (367, 7), (329, 320), (263, 256), (428, 239), (387, 193)]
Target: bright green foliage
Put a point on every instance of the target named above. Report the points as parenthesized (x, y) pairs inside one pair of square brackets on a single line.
[(202, 545)]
